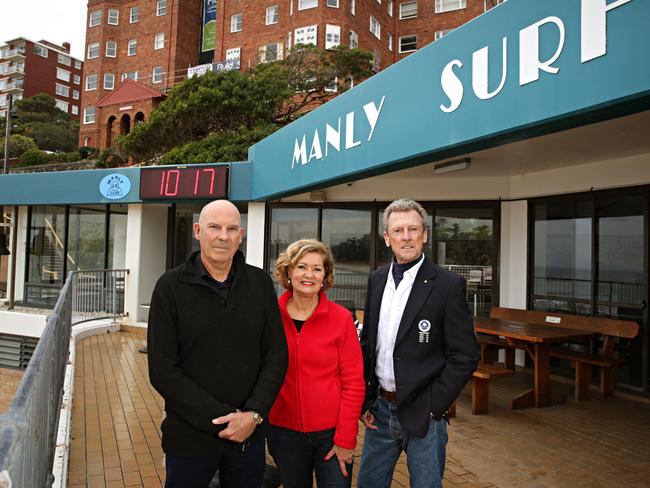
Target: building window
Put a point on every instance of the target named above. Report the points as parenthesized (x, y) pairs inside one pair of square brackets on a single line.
[(333, 3), (306, 35), (61, 105), (93, 50), (131, 75), (270, 52), (353, 7), (111, 49), (161, 8), (77, 64), (332, 36), (62, 74), (75, 94), (272, 14), (354, 40), (74, 110), (113, 16), (109, 81), (89, 115), (305, 4), (375, 27), (91, 82), (157, 74), (408, 44), (236, 23), (440, 33), (408, 10), (134, 15), (62, 90), (40, 51), (77, 79), (389, 7), (132, 48), (63, 59), (449, 5), (159, 41), (390, 41), (95, 18), (233, 53)]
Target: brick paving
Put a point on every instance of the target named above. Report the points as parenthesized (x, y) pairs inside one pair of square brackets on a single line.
[(602, 443), (9, 381)]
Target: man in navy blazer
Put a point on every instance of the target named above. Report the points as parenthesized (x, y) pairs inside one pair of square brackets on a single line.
[(419, 350)]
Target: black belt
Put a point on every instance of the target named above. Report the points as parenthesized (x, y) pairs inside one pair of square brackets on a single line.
[(391, 396)]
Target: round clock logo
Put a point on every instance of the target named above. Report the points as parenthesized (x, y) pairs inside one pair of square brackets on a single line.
[(115, 186)]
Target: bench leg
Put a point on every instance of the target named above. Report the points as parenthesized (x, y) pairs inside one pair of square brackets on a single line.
[(488, 353), (480, 395), (510, 359), (582, 381), (606, 382)]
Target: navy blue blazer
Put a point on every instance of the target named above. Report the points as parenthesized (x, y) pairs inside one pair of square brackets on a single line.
[(428, 375)]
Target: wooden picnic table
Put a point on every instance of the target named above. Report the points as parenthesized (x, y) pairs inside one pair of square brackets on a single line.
[(536, 340)]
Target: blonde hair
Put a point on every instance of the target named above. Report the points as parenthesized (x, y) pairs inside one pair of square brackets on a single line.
[(296, 250)]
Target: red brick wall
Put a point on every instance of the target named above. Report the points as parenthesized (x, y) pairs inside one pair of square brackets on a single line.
[(9, 381)]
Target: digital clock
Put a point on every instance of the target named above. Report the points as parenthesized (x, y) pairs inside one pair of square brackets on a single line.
[(184, 182)]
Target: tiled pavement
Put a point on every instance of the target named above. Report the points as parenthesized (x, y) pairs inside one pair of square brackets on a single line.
[(601, 443)]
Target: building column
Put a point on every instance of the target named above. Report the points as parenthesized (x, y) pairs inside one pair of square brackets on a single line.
[(22, 249), (255, 233), (146, 251)]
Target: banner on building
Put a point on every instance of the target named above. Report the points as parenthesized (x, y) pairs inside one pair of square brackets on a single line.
[(209, 31)]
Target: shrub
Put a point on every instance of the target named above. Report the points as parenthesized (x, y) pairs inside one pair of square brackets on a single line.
[(33, 157), (111, 158), (87, 152)]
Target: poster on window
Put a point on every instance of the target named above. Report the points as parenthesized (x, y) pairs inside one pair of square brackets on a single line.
[(209, 31)]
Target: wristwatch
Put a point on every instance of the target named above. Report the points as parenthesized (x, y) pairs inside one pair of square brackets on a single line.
[(257, 418)]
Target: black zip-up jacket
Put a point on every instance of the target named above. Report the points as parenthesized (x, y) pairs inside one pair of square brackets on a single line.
[(209, 357)]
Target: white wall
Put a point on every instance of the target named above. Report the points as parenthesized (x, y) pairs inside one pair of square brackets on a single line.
[(513, 254), (255, 234), (22, 324), (21, 253)]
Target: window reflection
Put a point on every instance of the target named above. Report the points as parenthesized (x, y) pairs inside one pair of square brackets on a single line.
[(289, 225)]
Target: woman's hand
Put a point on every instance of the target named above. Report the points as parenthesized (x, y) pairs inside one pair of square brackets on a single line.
[(343, 455)]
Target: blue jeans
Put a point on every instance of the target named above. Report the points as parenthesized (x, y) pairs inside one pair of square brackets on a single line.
[(237, 469), (298, 454), (425, 456)]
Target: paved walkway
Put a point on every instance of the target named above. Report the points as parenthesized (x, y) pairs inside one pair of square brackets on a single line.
[(602, 443)]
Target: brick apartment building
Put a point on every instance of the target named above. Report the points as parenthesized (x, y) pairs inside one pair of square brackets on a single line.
[(28, 68), (137, 49)]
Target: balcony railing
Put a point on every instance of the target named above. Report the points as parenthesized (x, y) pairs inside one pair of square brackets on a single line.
[(17, 53)]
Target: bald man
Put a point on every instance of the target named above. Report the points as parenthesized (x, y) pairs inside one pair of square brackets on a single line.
[(217, 355)]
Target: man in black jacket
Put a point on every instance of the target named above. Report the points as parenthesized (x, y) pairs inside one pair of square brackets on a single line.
[(419, 351), (217, 355)]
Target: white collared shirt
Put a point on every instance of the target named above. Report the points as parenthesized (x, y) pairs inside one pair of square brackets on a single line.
[(393, 303)]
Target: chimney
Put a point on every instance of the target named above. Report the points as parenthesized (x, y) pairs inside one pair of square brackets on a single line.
[(66, 47)]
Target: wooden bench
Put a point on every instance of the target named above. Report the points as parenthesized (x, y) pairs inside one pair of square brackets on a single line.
[(481, 385), (582, 362)]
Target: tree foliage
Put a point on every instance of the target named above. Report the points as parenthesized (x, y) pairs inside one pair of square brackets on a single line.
[(18, 145), (217, 116)]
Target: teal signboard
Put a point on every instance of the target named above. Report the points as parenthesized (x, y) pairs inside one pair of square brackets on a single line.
[(523, 68)]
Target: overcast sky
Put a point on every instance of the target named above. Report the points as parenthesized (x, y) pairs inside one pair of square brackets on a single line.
[(56, 21)]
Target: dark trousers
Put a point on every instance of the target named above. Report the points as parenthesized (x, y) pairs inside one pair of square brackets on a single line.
[(298, 455), (237, 469)]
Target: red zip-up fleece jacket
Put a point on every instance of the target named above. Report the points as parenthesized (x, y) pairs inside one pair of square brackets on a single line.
[(324, 385)]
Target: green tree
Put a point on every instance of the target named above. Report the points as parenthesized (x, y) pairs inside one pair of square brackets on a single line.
[(217, 116), (18, 145)]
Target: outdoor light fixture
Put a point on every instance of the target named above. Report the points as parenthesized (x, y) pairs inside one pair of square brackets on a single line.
[(450, 166)]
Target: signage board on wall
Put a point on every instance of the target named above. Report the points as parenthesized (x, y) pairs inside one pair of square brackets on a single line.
[(209, 24)]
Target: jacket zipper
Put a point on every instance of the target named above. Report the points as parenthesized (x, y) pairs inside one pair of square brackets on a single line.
[(298, 389)]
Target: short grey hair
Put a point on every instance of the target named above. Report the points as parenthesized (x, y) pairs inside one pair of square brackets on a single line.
[(405, 205)]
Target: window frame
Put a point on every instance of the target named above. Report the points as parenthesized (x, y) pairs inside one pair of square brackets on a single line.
[(106, 49), (378, 27), (116, 17), (158, 41), (90, 49), (334, 30), (87, 114), (132, 47), (87, 84), (161, 8), (112, 85), (402, 16), (236, 26), (94, 20), (401, 43), (439, 6), (301, 4), (67, 75), (134, 13), (268, 19)]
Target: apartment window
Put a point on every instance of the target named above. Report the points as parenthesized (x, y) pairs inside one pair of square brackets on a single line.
[(332, 86), (93, 50), (272, 14), (40, 51), (390, 41), (270, 52), (375, 27), (234, 53), (449, 5), (333, 3), (440, 33), (408, 44), (113, 16), (134, 15), (353, 7), (89, 115), (389, 7), (95, 18), (62, 90), (61, 105), (62, 74), (332, 36), (236, 23), (109, 81), (161, 8), (157, 74), (77, 64), (132, 48), (354, 40), (306, 35), (75, 94), (132, 75), (159, 41), (408, 10), (3, 85), (74, 110), (91, 82), (63, 59), (305, 4), (77, 79), (111, 49)]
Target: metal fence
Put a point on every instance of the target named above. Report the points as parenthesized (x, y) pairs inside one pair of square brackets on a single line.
[(98, 294)]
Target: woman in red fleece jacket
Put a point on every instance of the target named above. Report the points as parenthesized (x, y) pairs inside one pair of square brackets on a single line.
[(313, 424)]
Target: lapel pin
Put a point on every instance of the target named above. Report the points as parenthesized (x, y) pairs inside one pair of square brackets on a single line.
[(426, 281)]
